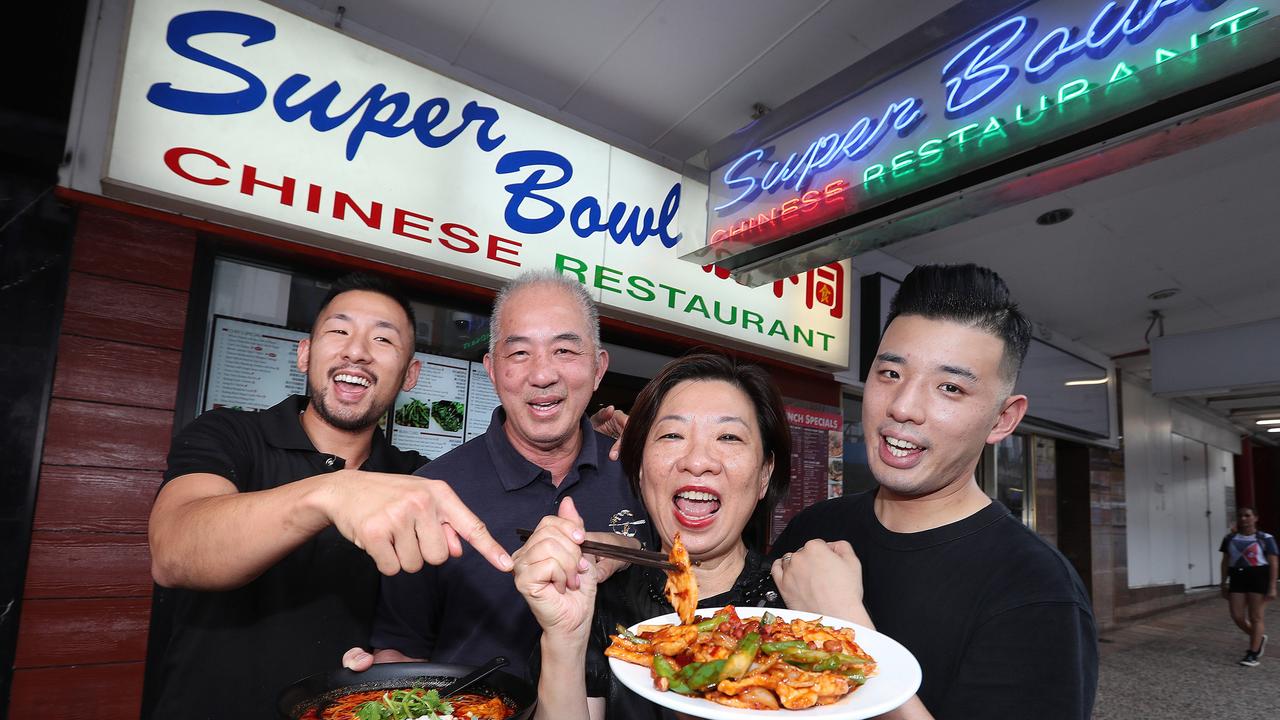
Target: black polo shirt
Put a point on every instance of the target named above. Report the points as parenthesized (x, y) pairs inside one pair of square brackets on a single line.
[(230, 653), (465, 611)]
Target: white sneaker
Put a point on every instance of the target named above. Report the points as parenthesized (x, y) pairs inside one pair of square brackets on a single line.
[(1262, 646)]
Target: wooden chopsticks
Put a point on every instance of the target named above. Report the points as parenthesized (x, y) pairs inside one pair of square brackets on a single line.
[(631, 555)]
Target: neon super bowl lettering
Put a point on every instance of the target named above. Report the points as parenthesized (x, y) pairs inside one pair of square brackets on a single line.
[(385, 112), (1031, 50)]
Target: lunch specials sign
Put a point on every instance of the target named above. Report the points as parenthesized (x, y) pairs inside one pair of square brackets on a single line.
[(240, 112), (1043, 71)]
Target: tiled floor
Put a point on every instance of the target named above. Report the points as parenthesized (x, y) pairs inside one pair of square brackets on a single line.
[(1182, 664)]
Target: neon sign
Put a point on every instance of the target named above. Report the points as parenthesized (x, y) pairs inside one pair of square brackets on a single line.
[(856, 143), (809, 202), (976, 75), (1037, 65)]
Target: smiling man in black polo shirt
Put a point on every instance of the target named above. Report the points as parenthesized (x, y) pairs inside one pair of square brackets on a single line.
[(274, 525), (545, 361)]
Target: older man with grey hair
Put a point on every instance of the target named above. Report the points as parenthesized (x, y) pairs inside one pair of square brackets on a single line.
[(545, 361)]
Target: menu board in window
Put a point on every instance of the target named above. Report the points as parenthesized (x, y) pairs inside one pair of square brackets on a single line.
[(481, 400), (252, 366), (431, 417), (817, 460)]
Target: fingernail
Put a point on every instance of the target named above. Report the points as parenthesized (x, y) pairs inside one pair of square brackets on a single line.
[(583, 565), (579, 536), (505, 561)]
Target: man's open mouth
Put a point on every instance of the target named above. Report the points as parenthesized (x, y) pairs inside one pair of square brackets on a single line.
[(543, 406), (901, 448)]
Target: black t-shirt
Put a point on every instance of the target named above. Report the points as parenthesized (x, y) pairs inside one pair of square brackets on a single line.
[(636, 594), (997, 617), (230, 653)]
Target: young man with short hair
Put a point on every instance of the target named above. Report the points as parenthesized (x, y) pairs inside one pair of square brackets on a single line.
[(274, 525), (999, 620)]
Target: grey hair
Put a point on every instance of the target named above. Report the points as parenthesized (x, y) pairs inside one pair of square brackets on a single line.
[(551, 278)]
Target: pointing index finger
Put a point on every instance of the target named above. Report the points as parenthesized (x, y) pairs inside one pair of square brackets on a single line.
[(472, 529)]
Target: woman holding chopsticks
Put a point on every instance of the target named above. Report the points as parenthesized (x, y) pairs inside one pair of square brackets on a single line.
[(708, 449)]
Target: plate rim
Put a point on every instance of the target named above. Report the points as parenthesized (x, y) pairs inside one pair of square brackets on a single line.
[(827, 712)]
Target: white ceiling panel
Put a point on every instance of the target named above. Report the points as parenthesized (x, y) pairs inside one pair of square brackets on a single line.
[(440, 27), (548, 49), (681, 55)]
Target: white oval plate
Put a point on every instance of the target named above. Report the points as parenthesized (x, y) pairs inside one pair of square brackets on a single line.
[(897, 677)]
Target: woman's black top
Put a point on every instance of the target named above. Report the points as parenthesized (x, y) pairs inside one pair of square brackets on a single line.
[(635, 595)]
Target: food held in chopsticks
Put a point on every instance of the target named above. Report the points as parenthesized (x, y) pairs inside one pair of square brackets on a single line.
[(760, 663), (681, 588)]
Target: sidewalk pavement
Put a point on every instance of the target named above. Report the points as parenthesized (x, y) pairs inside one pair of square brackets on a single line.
[(1183, 664)]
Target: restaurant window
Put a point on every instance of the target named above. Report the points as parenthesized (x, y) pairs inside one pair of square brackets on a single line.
[(258, 313), (1013, 487), (857, 473)]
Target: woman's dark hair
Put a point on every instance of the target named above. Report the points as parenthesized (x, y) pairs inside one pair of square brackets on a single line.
[(968, 295), (755, 383), (374, 284)]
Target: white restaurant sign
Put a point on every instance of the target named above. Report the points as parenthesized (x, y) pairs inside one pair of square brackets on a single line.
[(241, 112)]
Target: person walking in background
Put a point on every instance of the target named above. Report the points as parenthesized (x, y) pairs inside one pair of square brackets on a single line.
[(1249, 563)]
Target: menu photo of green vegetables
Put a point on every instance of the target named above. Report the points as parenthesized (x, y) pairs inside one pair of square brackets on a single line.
[(444, 415)]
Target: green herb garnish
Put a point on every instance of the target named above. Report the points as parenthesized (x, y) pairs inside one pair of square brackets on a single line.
[(405, 705)]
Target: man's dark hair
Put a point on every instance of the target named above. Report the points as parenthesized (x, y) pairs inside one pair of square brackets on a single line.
[(968, 295), (374, 284), (756, 384)]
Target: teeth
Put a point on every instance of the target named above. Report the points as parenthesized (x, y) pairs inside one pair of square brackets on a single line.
[(698, 496), (353, 379), (895, 442)]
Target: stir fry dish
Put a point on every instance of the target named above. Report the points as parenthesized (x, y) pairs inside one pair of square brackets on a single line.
[(411, 704), (448, 414), (414, 413), (681, 588), (760, 663)]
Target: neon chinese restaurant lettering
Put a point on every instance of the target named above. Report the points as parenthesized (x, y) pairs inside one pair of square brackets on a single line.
[(824, 202), (1001, 88)]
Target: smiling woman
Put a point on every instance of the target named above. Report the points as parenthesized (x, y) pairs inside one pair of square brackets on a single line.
[(708, 448)]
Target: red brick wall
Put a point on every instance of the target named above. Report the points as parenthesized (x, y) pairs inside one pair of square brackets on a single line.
[(87, 601)]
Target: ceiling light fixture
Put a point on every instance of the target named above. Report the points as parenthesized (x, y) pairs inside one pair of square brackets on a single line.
[(1274, 430), (1271, 421), (1099, 381), (1164, 294), (1053, 217)]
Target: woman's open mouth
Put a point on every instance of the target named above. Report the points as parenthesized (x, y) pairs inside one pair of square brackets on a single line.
[(695, 507)]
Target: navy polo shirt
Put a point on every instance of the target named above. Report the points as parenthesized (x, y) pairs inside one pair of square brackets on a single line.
[(465, 611)]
